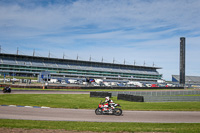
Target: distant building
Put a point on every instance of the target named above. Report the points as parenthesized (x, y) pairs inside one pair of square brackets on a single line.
[(188, 79), (32, 66)]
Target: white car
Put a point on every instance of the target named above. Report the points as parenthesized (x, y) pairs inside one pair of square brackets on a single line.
[(95, 84)]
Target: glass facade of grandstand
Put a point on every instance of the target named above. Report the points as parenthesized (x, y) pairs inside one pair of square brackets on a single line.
[(23, 65)]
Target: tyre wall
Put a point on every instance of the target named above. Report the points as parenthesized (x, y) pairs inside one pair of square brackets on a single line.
[(100, 94), (132, 98)]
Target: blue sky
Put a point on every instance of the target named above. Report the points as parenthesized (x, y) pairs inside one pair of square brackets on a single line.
[(132, 30)]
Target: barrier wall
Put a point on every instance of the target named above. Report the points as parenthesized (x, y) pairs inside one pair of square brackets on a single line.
[(21, 86), (119, 97), (84, 87), (40, 86), (171, 98), (130, 98), (100, 94), (160, 96), (157, 93), (150, 97), (128, 88)]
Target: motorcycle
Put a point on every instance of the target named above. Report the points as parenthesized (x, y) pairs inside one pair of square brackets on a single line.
[(6, 90), (105, 109)]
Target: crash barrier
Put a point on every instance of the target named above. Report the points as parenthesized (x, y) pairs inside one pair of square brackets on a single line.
[(116, 88), (130, 98), (63, 87), (163, 96), (100, 94), (152, 96), (40, 86), (83, 87), (171, 98), (20, 86), (157, 93)]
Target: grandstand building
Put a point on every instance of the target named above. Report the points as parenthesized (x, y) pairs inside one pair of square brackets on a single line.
[(32, 66)]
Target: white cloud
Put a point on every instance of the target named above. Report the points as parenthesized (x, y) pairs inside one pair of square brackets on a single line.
[(130, 29)]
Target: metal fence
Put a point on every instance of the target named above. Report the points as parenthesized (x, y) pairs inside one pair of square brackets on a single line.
[(157, 93), (171, 98), (164, 96)]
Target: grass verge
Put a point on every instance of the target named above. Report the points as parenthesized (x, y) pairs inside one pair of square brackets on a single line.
[(102, 126), (83, 101)]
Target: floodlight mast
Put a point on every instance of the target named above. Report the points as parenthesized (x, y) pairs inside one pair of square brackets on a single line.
[(34, 52), (17, 50)]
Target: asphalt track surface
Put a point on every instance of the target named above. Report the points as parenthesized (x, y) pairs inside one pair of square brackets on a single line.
[(61, 114)]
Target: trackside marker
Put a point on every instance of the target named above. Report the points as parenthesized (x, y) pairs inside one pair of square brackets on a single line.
[(45, 107), (28, 106), (12, 105)]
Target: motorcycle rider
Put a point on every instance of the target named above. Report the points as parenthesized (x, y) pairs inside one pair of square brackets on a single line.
[(7, 89), (110, 102)]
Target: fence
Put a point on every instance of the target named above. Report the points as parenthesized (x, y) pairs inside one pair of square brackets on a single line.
[(171, 98), (128, 88), (157, 93), (163, 96)]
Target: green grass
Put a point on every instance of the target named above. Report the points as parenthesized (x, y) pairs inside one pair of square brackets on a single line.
[(103, 126), (83, 101)]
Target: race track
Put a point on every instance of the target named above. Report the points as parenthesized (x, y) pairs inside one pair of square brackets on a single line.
[(60, 114)]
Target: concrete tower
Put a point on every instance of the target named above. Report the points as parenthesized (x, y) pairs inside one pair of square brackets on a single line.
[(182, 61)]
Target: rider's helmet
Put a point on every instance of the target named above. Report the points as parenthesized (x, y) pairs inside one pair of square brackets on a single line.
[(107, 99)]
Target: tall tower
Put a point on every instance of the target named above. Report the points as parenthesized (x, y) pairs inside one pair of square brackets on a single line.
[(182, 61)]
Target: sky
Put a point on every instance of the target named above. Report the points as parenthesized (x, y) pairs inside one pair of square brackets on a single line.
[(140, 32)]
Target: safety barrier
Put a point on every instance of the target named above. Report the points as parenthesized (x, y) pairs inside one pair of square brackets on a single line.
[(171, 98), (84, 87), (157, 93), (152, 96), (130, 98), (128, 88), (40, 86), (100, 94), (160, 96)]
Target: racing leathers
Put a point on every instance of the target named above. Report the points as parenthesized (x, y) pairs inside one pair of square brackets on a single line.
[(110, 102)]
